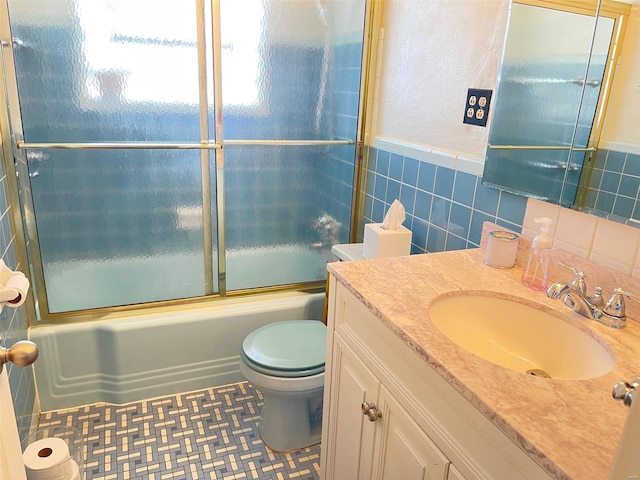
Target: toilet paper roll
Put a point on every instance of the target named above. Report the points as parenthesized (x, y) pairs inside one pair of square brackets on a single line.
[(49, 459), (18, 284)]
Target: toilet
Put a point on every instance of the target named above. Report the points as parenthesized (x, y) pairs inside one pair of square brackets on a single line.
[(285, 361)]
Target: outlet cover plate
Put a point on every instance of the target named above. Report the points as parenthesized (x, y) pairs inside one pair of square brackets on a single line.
[(477, 109)]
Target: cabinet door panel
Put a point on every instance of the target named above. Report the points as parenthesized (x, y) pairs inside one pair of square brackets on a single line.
[(454, 474), (406, 452), (352, 433)]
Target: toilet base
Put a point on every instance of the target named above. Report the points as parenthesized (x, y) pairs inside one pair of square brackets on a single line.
[(291, 421)]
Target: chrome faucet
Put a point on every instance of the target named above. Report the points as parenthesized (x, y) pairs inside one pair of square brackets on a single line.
[(611, 314), (575, 300)]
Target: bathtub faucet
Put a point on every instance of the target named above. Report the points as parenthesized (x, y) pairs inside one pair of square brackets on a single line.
[(328, 229)]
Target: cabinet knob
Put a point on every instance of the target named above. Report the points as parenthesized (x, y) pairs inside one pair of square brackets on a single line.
[(626, 391), (372, 412)]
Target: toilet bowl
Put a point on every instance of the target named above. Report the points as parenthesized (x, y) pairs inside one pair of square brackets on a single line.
[(285, 361)]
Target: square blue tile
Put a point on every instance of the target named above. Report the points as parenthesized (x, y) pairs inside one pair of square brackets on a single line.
[(436, 239), (615, 161), (623, 206), (410, 171), (419, 233), (415, 250), (596, 178), (604, 203), (422, 207), (475, 230), (464, 188), (368, 206), (592, 196), (632, 165), (380, 188), (601, 158), (440, 212), (512, 207), (395, 166), (610, 181), (426, 176), (455, 243), (459, 220), (373, 158), (629, 186), (378, 211), (407, 197), (443, 186), (371, 181), (393, 191), (486, 199), (382, 163)]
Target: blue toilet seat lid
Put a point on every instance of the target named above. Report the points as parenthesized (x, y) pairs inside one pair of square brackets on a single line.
[(296, 345)]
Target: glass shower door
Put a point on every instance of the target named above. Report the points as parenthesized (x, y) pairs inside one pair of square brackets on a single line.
[(118, 216), (289, 136), (128, 196)]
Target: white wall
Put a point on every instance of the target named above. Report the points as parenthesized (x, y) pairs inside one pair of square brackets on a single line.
[(432, 52), (424, 71)]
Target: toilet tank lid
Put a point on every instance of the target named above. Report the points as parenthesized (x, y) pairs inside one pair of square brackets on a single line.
[(287, 345), (348, 251)]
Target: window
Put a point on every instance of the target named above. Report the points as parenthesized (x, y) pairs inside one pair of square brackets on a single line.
[(139, 51)]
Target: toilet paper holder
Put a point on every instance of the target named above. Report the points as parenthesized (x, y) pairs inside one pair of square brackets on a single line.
[(14, 286)]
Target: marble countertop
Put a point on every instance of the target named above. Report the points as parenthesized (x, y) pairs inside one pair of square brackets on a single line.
[(570, 427)]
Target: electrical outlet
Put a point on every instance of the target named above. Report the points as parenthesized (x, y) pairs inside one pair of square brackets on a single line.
[(477, 110)]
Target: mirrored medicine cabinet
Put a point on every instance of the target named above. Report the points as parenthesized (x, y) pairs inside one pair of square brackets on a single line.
[(564, 76)]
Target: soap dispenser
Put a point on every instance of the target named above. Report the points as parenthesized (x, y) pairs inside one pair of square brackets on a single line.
[(536, 273)]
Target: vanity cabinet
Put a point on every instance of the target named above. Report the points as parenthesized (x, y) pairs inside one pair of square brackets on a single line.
[(378, 442), (426, 429)]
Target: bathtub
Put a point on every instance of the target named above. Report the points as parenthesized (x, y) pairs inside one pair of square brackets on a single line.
[(86, 284), (123, 359)]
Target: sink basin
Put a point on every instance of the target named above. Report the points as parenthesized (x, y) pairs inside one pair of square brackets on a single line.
[(521, 337)]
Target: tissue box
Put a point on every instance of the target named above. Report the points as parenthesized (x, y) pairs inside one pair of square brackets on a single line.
[(380, 243)]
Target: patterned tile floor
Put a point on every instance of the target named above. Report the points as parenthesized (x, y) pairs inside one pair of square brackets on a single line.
[(209, 434)]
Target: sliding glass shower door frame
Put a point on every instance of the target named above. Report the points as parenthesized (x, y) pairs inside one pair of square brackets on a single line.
[(20, 185)]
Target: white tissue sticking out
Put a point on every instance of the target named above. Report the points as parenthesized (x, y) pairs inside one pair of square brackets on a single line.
[(394, 217), (13, 286)]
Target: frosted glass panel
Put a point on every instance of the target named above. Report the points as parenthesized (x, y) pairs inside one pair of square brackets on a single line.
[(106, 70), (282, 64), (538, 101), (286, 207), (118, 227)]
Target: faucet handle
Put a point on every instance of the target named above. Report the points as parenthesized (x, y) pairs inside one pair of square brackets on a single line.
[(615, 305), (578, 282)]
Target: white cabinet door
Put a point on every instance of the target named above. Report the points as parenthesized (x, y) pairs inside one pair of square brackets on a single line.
[(627, 462), (11, 467), (405, 451), (351, 434)]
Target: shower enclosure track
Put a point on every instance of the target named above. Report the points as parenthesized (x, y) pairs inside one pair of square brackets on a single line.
[(176, 146)]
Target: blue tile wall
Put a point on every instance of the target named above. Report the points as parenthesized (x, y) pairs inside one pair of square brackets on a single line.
[(445, 208), (13, 321), (614, 187)]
